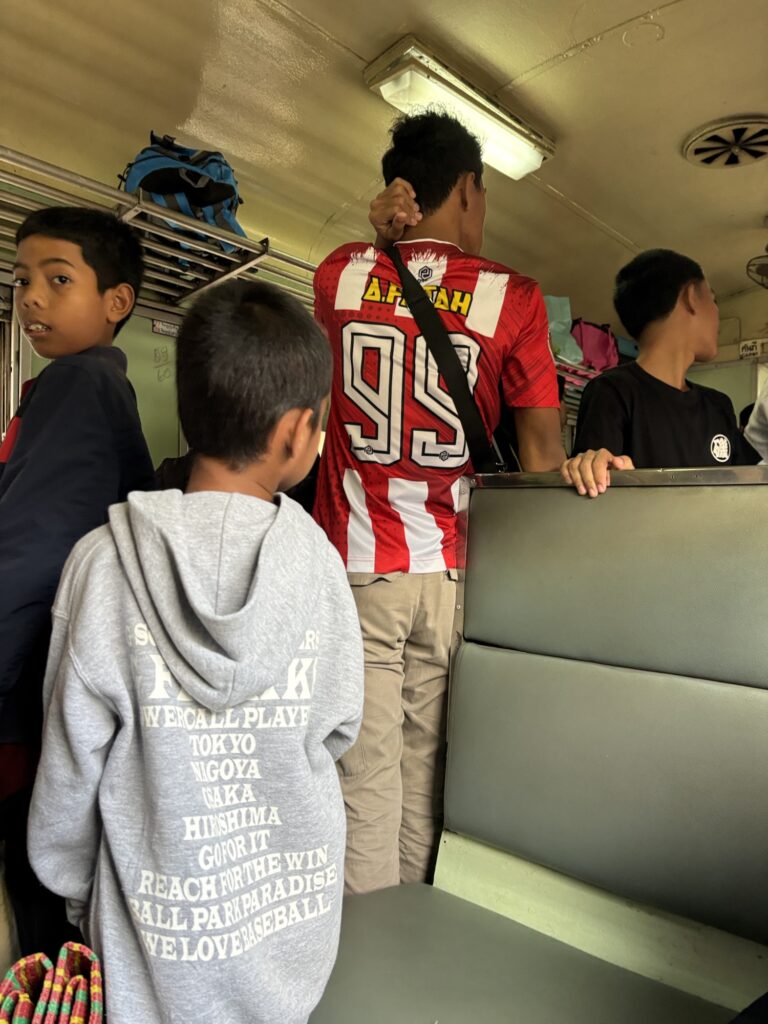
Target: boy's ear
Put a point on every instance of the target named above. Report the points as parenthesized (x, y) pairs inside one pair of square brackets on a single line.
[(302, 430), (292, 431), (120, 302), (689, 297), (470, 187), (465, 182)]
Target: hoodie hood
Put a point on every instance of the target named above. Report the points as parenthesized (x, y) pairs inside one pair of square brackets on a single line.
[(216, 577)]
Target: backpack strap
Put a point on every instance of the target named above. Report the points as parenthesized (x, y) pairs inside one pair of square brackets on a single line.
[(486, 455)]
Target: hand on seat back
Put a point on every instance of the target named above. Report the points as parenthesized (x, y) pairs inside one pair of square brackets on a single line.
[(392, 211), (590, 472)]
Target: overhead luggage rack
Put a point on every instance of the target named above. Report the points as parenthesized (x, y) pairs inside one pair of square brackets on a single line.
[(178, 266)]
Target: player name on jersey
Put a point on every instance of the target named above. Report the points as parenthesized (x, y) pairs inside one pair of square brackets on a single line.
[(451, 300)]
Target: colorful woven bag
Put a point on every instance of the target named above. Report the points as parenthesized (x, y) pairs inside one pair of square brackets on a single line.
[(69, 993)]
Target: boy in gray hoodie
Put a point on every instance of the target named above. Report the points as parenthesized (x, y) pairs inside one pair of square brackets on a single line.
[(205, 673)]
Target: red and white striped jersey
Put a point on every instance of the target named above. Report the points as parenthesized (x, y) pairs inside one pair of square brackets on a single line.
[(394, 448)]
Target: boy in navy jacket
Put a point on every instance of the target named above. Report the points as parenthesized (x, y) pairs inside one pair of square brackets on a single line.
[(74, 448)]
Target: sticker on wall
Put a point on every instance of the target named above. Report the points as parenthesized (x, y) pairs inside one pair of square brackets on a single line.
[(164, 327), (752, 347)]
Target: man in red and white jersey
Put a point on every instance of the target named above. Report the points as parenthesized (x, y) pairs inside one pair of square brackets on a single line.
[(394, 454)]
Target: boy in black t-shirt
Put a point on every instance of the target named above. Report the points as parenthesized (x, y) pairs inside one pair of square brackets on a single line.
[(74, 448), (646, 409)]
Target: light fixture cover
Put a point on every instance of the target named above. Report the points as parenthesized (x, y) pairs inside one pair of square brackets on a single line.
[(411, 78)]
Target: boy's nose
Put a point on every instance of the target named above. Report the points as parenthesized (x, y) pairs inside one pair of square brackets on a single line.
[(32, 298)]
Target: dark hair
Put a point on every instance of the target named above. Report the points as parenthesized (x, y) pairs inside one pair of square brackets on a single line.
[(247, 352), (745, 413), (648, 288), (111, 248), (431, 151)]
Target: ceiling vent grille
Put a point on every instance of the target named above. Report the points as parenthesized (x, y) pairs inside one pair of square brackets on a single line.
[(757, 269), (730, 143)]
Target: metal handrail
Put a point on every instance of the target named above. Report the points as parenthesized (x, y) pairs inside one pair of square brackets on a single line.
[(711, 476)]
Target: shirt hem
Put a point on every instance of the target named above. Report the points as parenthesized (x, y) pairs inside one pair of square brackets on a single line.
[(417, 567)]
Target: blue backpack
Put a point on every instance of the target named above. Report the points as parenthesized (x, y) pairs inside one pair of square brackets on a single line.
[(196, 182)]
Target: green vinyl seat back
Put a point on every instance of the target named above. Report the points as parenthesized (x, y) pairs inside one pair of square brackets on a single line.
[(609, 700)]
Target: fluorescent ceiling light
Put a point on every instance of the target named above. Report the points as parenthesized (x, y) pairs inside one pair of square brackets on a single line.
[(411, 78)]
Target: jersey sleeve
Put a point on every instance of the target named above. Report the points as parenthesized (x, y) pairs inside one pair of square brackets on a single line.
[(602, 420), (324, 285), (529, 377)]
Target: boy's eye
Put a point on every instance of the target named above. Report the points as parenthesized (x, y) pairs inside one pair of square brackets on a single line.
[(19, 282), (62, 279)]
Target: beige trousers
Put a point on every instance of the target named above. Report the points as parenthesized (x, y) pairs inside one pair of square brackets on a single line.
[(392, 778)]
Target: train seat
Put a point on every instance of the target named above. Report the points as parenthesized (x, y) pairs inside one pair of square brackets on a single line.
[(605, 852)]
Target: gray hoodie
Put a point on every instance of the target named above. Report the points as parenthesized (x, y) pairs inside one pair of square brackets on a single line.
[(205, 672)]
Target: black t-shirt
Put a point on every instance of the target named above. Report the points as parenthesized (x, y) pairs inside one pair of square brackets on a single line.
[(629, 412)]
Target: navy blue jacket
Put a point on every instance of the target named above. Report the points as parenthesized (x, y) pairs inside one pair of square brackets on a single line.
[(78, 450)]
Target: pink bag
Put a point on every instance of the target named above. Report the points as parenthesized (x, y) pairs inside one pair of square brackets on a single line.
[(597, 342)]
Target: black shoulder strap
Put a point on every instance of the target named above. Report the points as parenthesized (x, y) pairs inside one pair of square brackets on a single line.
[(486, 456)]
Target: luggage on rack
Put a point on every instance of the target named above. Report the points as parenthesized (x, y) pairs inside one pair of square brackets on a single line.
[(198, 183)]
